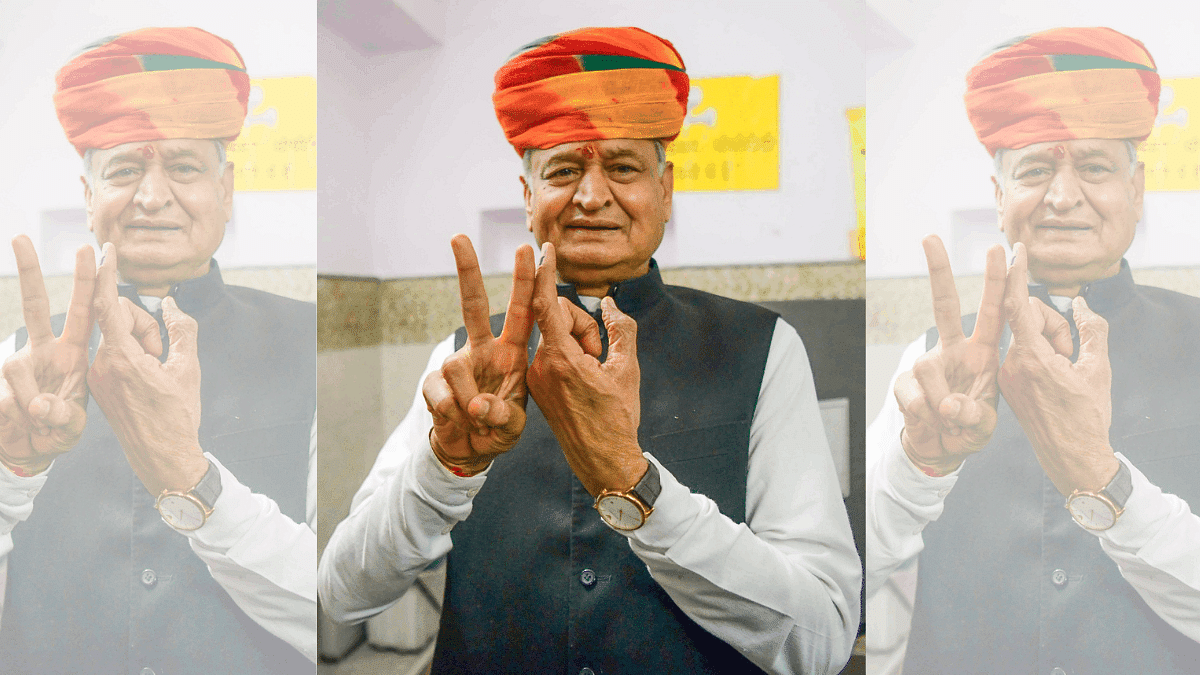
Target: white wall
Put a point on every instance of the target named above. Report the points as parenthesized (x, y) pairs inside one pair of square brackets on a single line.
[(924, 161), (436, 157), (40, 170)]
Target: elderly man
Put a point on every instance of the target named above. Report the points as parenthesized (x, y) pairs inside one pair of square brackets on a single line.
[(1090, 405), (160, 526), (669, 502)]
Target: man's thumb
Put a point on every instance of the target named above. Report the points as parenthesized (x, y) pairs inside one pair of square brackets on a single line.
[(1093, 332), (181, 331), (622, 329)]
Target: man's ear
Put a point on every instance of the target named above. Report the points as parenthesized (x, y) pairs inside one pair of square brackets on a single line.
[(668, 185), (999, 203), (227, 186), (87, 201), (1139, 187), (528, 203)]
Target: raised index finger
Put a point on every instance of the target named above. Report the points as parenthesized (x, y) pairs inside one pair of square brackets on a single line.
[(947, 313), (34, 302), (78, 327), (471, 292), (989, 323), (1016, 298), (518, 319), (545, 298)]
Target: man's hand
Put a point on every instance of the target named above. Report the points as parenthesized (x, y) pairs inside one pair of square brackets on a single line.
[(153, 407), (593, 408), (949, 397), (43, 394), (477, 397), (1065, 408)]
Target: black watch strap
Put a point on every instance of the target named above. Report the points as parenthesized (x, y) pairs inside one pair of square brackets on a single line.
[(209, 487), (1120, 487), (649, 487)]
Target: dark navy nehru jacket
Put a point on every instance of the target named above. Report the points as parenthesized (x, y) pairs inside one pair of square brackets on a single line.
[(536, 582), (97, 583), (1008, 582)]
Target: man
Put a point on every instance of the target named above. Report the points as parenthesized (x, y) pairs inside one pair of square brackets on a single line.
[(1092, 403), (605, 530), (198, 559)]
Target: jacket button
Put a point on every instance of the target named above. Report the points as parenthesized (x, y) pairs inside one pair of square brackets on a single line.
[(1059, 578), (149, 578), (588, 579), (147, 671), (586, 671), (1058, 671)]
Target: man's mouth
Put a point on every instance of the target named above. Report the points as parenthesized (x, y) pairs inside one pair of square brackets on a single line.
[(1065, 227), (592, 226), (152, 227)]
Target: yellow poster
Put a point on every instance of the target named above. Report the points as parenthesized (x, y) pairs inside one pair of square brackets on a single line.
[(858, 160), (730, 137), (1172, 153), (277, 149)]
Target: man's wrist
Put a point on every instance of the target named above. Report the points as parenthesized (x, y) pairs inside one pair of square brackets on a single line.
[(25, 469), (460, 468), (931, 469)]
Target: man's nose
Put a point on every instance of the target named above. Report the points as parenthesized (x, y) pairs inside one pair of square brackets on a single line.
[(154, 190), (1065, 191), (593, 194)]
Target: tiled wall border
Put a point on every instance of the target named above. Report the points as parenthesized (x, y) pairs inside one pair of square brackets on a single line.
[(293, 282), (362, 312), (899, 310)]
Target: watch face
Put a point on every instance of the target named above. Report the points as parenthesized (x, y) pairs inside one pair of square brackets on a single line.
[(619, 512), (180, 512), (1091, 513)]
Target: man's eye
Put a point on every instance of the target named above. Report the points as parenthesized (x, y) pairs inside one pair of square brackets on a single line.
[(1096, 169), (1033, 173), (565, 172), (623, 169), (185, 169), (120, 173)]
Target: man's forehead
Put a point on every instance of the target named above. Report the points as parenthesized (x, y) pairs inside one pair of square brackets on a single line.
[(1076, 149), (171, 147), (606, 149)]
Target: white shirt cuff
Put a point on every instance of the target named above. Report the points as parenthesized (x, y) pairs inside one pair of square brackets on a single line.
[(1145, 514), (674, 513)]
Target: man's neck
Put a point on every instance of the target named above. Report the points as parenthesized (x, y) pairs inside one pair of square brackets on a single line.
[(147, 285)]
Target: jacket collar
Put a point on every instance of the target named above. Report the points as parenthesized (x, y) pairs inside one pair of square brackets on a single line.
[(1102, 295), (633, 296), (192, 295)]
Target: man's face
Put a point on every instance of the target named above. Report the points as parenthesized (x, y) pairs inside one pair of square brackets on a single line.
[(603, 206), (1074, 204), (163, 205)]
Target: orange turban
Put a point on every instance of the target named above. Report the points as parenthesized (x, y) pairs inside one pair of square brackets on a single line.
[(591, 84), (152, 84), (1063, 84)]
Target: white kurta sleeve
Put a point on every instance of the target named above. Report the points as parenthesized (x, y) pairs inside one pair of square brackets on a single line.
[(783, 588), (400, 519), (265, 560), (1156, 545)]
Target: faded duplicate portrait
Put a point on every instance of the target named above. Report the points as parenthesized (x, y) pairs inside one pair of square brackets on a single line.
[(641, 451), (157, 408), (1031, 462)]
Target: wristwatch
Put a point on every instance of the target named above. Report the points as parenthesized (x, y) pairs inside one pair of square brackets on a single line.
[(1099, 510), (627, 510), (189, 510)]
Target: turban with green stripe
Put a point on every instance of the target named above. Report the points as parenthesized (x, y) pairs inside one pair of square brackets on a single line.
[(152, 84), (1063, 84), (591, 84)]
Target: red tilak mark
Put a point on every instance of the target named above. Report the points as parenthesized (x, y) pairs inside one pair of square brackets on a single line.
[(588, 151), (1059, 151), (147, 151)]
